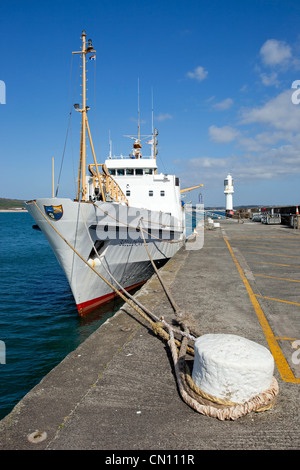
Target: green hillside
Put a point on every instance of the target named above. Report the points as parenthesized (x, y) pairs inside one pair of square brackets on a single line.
[(6, 204)]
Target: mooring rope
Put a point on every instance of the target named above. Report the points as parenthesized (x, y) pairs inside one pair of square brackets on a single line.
[(157, 325), (133, 299), (202, 403), (185, 320), (192, 395)]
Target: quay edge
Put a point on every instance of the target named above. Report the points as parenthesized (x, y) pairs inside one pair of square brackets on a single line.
[(117, 390)]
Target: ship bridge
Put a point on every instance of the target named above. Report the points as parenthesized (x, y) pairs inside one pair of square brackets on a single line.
[(126, 166), (143, 186)]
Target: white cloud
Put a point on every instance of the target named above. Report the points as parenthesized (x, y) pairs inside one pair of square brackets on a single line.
[(225, 104), (271, 163), (223, 134), (163, 117), (250, 144), (277, 57), (263, 140), (269, 79), (208, 162), (279, 113), (274, 52), (199, 74), (209, 171), (266, 136), (274, 151), (267, 144)]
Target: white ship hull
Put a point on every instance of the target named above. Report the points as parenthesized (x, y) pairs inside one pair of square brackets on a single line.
[(81, 228), (97, 237)]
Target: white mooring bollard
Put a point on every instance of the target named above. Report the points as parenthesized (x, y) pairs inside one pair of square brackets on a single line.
[(231, 367)]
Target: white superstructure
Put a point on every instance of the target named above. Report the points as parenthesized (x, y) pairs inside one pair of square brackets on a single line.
[(144, 187)]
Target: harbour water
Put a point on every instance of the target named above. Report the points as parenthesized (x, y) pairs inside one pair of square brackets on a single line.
[(39, 324)]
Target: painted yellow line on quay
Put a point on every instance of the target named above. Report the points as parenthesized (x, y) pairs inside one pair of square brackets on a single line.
[(286, 338), (270, 254), (277, 300), (259, 238), (276, 264), (267, 245), (281, 362), (279, 278)]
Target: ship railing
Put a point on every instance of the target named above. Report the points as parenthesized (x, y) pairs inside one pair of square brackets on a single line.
[(110, 190), (129, 157)]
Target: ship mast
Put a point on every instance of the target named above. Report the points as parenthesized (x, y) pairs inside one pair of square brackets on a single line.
[(81, 187), (155, 146)]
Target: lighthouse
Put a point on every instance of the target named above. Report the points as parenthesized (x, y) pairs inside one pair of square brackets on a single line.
[(228, 191)]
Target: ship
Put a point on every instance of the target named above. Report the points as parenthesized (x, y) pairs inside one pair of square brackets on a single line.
[(125, 216)]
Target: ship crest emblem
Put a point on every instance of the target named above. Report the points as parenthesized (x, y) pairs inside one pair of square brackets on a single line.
[(54, 212)]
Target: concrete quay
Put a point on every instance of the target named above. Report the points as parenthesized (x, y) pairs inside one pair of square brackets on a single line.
[(117, 391)]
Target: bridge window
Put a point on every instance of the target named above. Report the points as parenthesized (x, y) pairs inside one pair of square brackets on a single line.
[(120, 172), (129, 171), (112, 172), (148, 171), (138, 171)]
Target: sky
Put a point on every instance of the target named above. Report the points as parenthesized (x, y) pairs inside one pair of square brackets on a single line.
[(218, 77)]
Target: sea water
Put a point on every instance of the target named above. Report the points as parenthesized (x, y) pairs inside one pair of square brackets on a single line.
[(39, 323)]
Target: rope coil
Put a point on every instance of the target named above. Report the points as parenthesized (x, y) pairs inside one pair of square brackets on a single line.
[(211, 406)]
